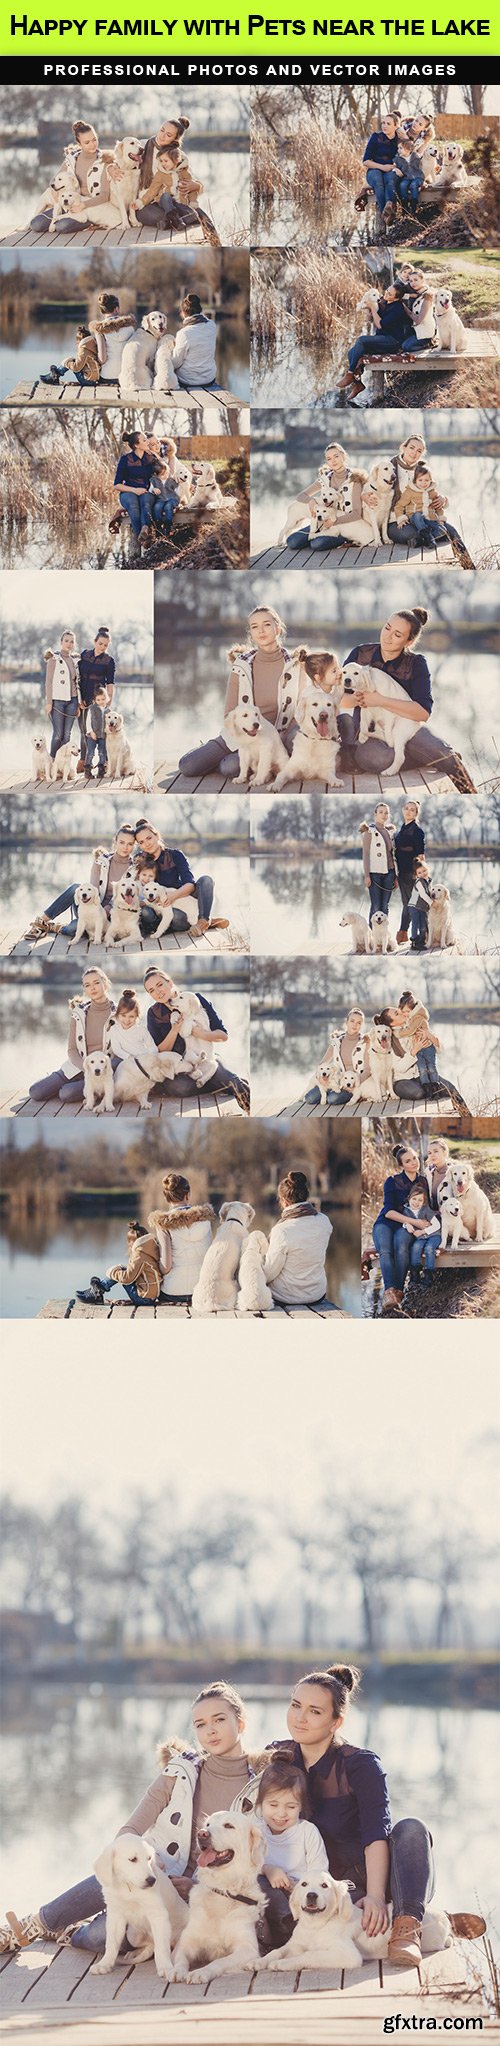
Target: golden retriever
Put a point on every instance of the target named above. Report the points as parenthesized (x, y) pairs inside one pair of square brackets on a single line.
[(91, 919), (141, 1903), (226, 1901)]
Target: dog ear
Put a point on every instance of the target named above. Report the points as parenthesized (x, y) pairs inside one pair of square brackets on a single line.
[(258, 1849), (105, 1865), (294, 1902), (224, 1210), (250, 1213)]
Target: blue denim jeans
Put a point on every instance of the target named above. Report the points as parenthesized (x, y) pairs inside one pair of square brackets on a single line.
[(93, 746), (138, 509), (204, 891), (412, 1876), (409, 189), (423, 1247), (56, 1085), (62, 718), (392, 1245), (372, 344), (333, 1100), (427, 1068), (418, 924), (66, 900), (383, 184), (381, 887)]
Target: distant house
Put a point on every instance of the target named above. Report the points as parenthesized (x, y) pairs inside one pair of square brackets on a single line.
[(30, 1637)]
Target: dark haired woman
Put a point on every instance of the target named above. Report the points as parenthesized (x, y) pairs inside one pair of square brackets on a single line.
[(298, 1243), (170, 868), (395, 654), (193, 355), (165, 209), (132, 479), (389, 1235), (394, 327)]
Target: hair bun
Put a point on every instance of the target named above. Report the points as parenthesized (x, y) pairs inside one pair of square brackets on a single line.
[(345, 1674), (420, 613), (300, 653), (183, 123)]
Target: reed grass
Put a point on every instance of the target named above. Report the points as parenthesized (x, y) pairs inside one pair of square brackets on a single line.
[(310, 296), (67, 490)]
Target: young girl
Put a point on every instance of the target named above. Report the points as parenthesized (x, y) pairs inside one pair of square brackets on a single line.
[(91, 1013), (128, 1037), (412, 1020), (294, 1845), (379, 867), (321, 668), (262, 668), (424, 1230), (95, 730), (140, 1277), (419, 905)]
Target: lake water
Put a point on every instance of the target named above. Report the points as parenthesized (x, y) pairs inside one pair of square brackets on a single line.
[(80, 1756), (470, 483), (303, 900), (224, 175), (285, 1051), (38, 1044), (22, 718), (47, 341), (31, 875)]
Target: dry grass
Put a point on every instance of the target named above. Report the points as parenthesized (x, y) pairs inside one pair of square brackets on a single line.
[(67, 490), (310, 295), (317, 162), (471, 384)]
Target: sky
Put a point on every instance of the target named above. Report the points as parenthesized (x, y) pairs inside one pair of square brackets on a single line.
[(211, 1410), (104, 595)]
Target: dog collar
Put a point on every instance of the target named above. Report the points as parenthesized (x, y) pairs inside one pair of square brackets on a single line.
[(235, 1895)]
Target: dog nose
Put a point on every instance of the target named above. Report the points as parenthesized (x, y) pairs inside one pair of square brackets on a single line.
[(150, 1882), (311, 1897)]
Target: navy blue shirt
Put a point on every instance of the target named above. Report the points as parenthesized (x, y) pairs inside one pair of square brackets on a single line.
[(94, 670), (410, 670), (408, 844), (396, 1190), (380, 149), (159, 1021), (394, 319), (171, 868), (349, 1803), (134, 471)]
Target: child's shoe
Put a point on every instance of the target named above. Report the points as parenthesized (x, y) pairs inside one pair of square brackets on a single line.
[(87, 774), (92, 1295), (53, 375), (101, 771)]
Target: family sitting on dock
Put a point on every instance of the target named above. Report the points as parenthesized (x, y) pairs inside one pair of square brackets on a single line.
[(113, 1053), (322, 1807), (401, 157), (397, 500), (145, 183), (263, 674), (393, 1059), (407, 1232), (133, 356), (410, 316), (137, 853), (165, 1260)]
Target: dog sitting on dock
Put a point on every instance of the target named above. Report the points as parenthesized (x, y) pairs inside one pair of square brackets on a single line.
[(42, 764)]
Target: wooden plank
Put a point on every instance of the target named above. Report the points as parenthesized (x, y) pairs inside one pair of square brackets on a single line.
[(26, 1968), (226, 1987), (98, 1990), (313, 1979), (58, 1982)]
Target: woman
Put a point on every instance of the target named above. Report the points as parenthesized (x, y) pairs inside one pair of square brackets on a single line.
[(184, 1233), (409, 845), (263, 668), (394, 327), (378, 160), (167, 210), (167, 1036), (395, 654), (95, 175), (335, 505), (111, 332), (131, 480), (109, 865), (295, 1260), (61, 691), (90, 1014), (391, 1239), (170, 868), (193, 354), (348, 1055)]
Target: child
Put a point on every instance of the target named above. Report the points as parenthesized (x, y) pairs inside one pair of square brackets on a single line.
[(422, 503), (425, 1230), (294, 1844), (413, 1024), (419, 905), (85, 364), (96, 734), (408, 168), (128, 1037), (379, 867), (172, 175), (163, 495), (140, 1277)]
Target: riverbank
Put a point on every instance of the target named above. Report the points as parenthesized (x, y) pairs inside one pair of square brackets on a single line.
[(426, 1677)]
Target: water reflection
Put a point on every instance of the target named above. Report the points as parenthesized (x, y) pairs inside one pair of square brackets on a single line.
[(82, 1761), (22, 717), (43, 342), (38, 1044), (27, 880), (317, 892), (469, 482)]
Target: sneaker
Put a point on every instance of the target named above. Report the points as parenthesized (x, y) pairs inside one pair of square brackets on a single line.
[(19, 1932), (101, 772), (92, 1295), (405, 1944), (466, 1925), (52, 376), (42, 927), (87, 772), (241, 1093)]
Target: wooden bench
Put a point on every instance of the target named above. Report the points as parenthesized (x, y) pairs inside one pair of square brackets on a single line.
[(473, 1256), (364, 1111), (45, 1987), (356, 558), (199, 1106), (79, 1310), (14, 945), (229, 414), (106, 238), (482, 345)]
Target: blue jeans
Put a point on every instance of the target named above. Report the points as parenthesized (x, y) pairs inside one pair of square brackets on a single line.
[(418, 924), (423, 1247), (392, 1245), (62, 718), (381, 887), (409, 189), (383, 184), (65, 225), (204, 891), (372, 344), (412, 1876), (333, 1100), (138, 508), (56, 1086), (66, 900), (162, 512), (427, 1068), (90, 751), (412, 345)]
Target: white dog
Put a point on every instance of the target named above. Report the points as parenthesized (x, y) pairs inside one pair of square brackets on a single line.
[(452, 174), (225, 1902), (451, 331), (381, 936), (207, 494), (254, 1296), (380, 480), (138, 358), (360, 931), (381, 1064), (377, 722), (128, 154), (477, 1219), (165, 376), (141, 1903), (155, 897), (120, 760), (64, 764), (98, 1083), (369, 303), (262, 753), (324, 1078), (200, 1059), (322, 1936), (124, 916), (441, 932), (216, 1289), (316, 745), (91, 921), (452, 1226), (42, 764), (65, 193), (133, 1081)]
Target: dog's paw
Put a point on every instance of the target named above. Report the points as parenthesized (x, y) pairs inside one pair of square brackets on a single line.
[(103, 1967), (165, 1971), (198, 1975)]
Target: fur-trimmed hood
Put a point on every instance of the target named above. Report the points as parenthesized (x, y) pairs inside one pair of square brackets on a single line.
[(171, 1750), (112, 323), (180, 1218)]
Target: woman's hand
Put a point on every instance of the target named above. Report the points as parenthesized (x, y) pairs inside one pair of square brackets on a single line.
[(374, 1915), (367, 884), (278, 1879)]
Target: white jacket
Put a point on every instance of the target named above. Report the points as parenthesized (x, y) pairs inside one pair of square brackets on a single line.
[(114, 337), (171, 1832), (194, 353), (295, 1262), (189, 1246)]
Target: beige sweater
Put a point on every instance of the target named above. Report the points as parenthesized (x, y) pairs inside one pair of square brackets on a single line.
[(219, 1781), (266, 672)]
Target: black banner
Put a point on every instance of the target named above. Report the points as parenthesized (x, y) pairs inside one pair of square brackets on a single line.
[(155, 69)]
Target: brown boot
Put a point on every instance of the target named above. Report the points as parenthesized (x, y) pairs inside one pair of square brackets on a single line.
[(401, 937), (391, 1298), (218, 923), (345, 382), (356, 388), (405, 1944), (466, 1925)]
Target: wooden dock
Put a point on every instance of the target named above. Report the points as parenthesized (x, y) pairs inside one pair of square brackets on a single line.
[(411, 781), (90, 237), (45, 1988), (473, 1256), (200, 1106), (78, 1310), (482, 345), (23, 784), (356, 558), (13, 945), (229, 414), (364, 1111)]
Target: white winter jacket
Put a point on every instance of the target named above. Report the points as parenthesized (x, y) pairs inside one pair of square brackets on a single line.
[(194, 352), (295, 1262)]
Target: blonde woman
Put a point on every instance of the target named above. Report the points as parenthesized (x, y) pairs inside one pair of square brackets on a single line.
[(262, 668), (91, 1013)]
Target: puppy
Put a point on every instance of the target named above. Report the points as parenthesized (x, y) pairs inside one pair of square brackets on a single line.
[(263, 756), (65, 193), (42, 764), (141, 1903), (324, 1078), (133, 1081), (381, 937), (381, 1064), (375, 721), (124, 916), (431, 162), (380, 480), (316, 745), (128, 154), (225, 1902), (298, 515), (362, 940), (98, 1083), (120, 761), (200, 1059), (452, 1226), (476, 1211), (154, 897), (441, 931), (369, 303), (322, 1936), (138, 358), (207, 494), (64, 764), (452, 173), (451, 331), (91, 919), (254, 1296), (216, 1290)]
